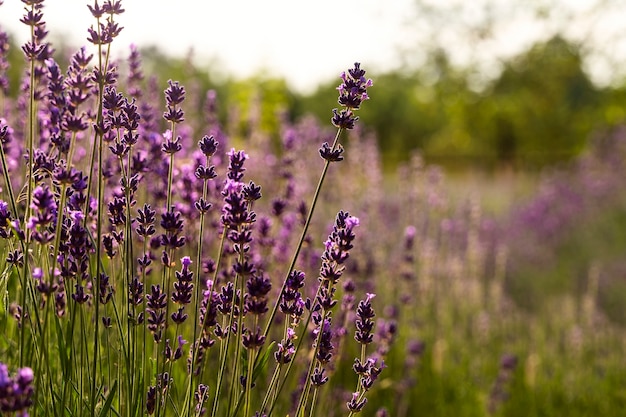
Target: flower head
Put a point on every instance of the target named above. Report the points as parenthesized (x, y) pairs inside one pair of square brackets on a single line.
[(352, 92)]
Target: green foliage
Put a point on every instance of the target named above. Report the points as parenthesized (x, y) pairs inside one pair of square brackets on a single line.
[(597, 240), (541, 109), (260, 101)]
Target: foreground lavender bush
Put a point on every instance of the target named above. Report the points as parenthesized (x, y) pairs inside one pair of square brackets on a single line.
[(139, 275), (149, 265)]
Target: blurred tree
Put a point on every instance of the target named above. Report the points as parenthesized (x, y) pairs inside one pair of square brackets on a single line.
[(541, 109), (451, 99), (259, 101)]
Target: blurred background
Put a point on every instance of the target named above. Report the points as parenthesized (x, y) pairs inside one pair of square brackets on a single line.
[(499, 127), (503, 95), (487, 84)]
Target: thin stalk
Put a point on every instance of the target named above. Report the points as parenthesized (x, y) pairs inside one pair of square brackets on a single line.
[(251, 361), (294, 259), (60, 211), (224, 346), (220, 375), (194, 355), (276, 374), (217, 267), (128, 263), (170, 175), (314, 362), (167, 271), (239, 279), (100, 196), (69, 371), (314, 401), (145, 367), (7, 181), (290, 364), (100, 192), (30, 185), (270, 388)]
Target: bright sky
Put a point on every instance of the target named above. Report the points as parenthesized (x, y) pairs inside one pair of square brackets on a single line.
[(311, 41), (304, 41)]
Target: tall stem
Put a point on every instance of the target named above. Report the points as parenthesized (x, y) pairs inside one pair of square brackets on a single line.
[(30, 186), (305, 229)]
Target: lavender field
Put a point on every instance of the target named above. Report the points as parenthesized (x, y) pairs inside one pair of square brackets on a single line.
[(156, 260)]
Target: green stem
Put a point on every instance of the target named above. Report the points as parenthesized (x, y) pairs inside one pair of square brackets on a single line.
[(251, 361), (358, 381), (167, 271), (298, 345), (189, 396), (30, 187), (103, 66), (314, 361), (239, 279), (314, 401), (270, 388), (294, 259), (223, 358), (7, 180), (224, 349)]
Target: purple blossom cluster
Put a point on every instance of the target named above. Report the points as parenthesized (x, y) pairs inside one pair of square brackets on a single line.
[(158, 262), (352, 92), (568, 202), (116, 244), (16, 392)]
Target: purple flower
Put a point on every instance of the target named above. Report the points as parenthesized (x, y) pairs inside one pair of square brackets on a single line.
[(258, 287), (113, 7), (172, 223), (5, 218), (157, 301), (352, 92), (252, 340), (208, 145), (285, 350), (344, 119), (357, 402), (332, 155), (174, 95), (43, 215), (353, 89), (145, 219), (325, 348), (177, 353), (151, 398), (183, 287), (291, 302), (337, 247), (235, 165), (16, 392), (318, 377), (4, 64), (364, 323), (171, 146)]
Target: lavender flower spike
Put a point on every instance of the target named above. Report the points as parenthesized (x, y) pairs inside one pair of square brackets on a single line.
[(16, 392), (352, 92)]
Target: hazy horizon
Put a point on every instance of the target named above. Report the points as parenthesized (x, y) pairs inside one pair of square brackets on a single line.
[(308, 43)]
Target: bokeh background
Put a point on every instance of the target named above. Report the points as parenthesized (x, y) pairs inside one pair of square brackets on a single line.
[(499, 125), (487, 83)]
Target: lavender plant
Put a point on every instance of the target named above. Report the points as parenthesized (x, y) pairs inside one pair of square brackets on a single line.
[(130, 294), (149, 265)]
